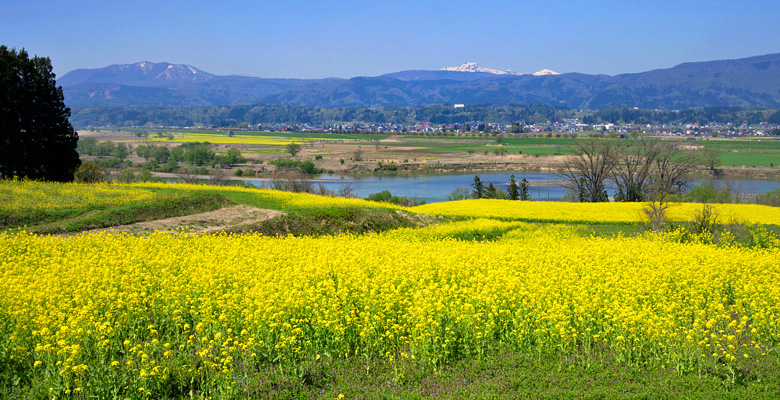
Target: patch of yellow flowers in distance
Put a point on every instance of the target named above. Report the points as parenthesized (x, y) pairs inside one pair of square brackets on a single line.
[(593, 212), (244, 139), (149, 309)]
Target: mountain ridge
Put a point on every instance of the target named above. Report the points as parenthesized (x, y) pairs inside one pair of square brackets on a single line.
[(745, 82)]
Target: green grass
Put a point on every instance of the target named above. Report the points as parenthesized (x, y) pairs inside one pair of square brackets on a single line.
[(330, 221), (607, 230), (268, 151), (740, 144), (331, 136), (541, 149), (190, 203), (498, 374), (750, 159), (175, 201)]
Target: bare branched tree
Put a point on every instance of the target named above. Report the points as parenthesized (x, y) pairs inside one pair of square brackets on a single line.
[(188, 175), (590, 167), (346, 190), (710, 157), (633, 171), (670, 170), (291, 182), (218, 177)]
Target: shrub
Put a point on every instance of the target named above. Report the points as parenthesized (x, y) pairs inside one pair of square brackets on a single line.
[(770, 198)]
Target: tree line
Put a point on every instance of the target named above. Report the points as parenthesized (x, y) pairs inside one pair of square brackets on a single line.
[(700, 115), (235, 116), (440, 114)]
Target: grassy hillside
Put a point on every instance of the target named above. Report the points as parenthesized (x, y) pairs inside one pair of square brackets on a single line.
[(60, 208)]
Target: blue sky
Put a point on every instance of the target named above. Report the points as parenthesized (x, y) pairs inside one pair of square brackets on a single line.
[(316, 39)]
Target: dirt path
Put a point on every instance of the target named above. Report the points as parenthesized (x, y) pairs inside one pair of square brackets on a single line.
[(207, 222)]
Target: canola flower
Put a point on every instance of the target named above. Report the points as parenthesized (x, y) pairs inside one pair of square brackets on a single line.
[(22, 195), (245, 139), (592, 212), (137, 314), (285, 199), (26, 196)]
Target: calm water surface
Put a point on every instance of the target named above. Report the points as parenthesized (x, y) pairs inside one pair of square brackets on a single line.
[(435, 188)]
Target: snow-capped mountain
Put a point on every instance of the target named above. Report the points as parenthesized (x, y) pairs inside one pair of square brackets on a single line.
[(748, 82), (148, 83), (145, 72), (474, 67), (545, 72)]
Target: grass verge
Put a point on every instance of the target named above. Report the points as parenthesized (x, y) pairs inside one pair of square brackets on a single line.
[(336, 220), (190, 203)]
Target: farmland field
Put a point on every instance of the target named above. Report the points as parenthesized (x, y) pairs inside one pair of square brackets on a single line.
[(251, 139), (481, 305)]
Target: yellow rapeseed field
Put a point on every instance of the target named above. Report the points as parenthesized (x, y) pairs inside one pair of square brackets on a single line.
[(244, 139), (26, 195), (136, 314), (133, 316), (19, 196), (593, 212)]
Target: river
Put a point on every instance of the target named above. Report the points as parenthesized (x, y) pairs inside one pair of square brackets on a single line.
[(436, 188)]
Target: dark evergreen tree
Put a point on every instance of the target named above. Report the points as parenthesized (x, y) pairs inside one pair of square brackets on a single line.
[(512, 190), (479, 188), (492, 192), (36, 139), (524, 195)]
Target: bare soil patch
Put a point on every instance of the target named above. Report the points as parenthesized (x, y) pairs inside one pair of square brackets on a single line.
[(228, 218)]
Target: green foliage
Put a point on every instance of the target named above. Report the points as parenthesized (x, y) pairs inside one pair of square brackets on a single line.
[(707, 193), (386, 197), (36, 139), (90, 173), (770, 198), (268, 113), (199, 154), (700, 115), (88, 146), (458, 194), (231, 158), (307, 167), (387, 166), (171, 165), (332, 221), (293, 148), (161, 154)]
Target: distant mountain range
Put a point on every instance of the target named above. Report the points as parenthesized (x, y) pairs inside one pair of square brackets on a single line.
[(748, 82)]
